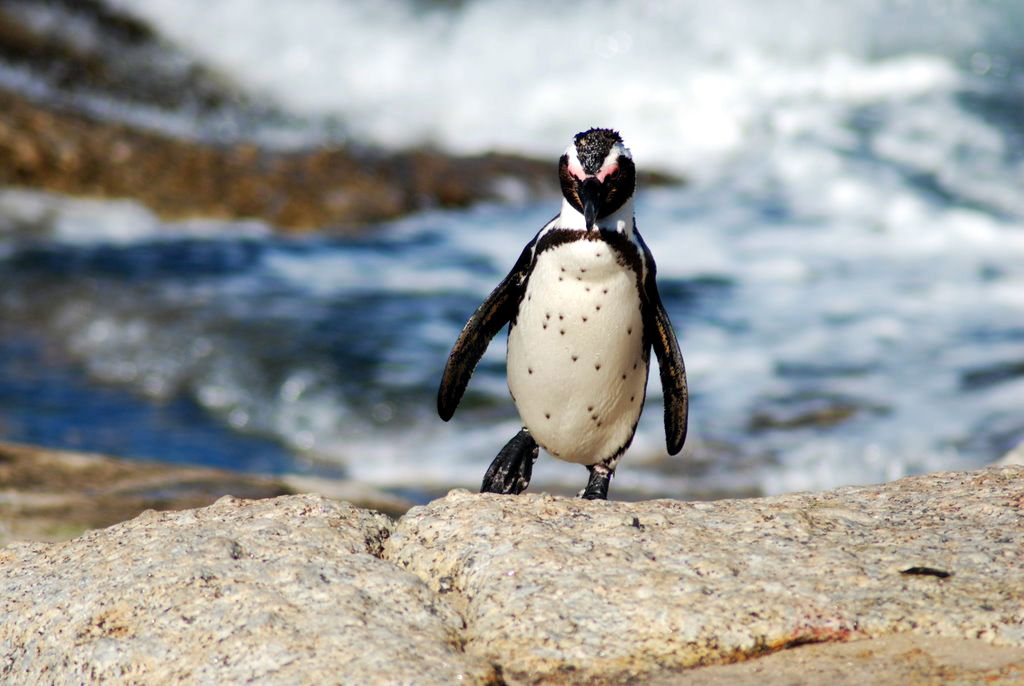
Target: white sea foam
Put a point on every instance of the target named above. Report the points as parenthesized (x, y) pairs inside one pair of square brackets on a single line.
[(688, 82), (40, 215)]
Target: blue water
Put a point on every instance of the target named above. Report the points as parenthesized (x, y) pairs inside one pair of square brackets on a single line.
[(46, 400), (845, 267)]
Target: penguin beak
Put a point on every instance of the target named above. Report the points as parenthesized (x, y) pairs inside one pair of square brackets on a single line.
[(590, 194)]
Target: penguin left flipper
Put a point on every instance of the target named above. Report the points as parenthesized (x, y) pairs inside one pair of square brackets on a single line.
[(670, 360), (497, 310)]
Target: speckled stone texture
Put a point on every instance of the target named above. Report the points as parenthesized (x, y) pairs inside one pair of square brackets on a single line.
[(559, 590), (281, 591), (917, 581)]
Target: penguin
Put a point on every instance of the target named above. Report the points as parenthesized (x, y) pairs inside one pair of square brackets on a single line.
[(583, 313)]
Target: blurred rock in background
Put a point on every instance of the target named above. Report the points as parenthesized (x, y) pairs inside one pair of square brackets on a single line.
[(100, 116)]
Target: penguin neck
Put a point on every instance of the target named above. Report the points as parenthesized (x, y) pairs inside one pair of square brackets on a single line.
[(619, 221)]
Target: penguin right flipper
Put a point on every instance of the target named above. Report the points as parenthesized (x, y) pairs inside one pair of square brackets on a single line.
[(662, 338), (497, 310), (673, 379)]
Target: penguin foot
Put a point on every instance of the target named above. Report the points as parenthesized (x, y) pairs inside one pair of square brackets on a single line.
[(597, 487), (512, 468)]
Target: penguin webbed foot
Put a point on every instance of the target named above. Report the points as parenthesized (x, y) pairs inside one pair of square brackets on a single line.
[(597, 486), (512, 468)]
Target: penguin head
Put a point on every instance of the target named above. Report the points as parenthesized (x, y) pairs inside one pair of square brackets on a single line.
[(597, 174)]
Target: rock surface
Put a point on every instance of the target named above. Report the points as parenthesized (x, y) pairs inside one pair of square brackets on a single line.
[(916, 581), (556, 590), (52, 495), (276, 591)]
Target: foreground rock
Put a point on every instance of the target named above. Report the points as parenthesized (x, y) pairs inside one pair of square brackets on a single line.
[(556, 590), (275, 591), (52, 495), (916, 581)]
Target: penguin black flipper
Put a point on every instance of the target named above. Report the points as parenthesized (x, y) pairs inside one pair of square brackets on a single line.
[(497, 310), (662, 337)]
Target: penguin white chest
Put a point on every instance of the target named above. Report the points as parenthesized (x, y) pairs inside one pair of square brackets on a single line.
[(577, 364)]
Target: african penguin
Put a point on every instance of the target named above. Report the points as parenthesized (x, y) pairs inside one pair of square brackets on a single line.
[(583, 310)]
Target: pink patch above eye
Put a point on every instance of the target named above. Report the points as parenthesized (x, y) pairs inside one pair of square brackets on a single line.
[(606, 172), (576, 169)]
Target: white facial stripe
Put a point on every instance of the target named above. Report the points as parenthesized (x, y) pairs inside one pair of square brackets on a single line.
[(612, 158), (575, 166)]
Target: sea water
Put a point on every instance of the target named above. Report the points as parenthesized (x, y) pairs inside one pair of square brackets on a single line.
[(844, 267)]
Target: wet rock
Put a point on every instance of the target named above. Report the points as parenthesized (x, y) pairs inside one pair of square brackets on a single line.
[(803, 410), (286, 590), (570, 591), (54, 136), (75, 127), (85, 48), (333, 187), (49, 495), (992, 374)]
